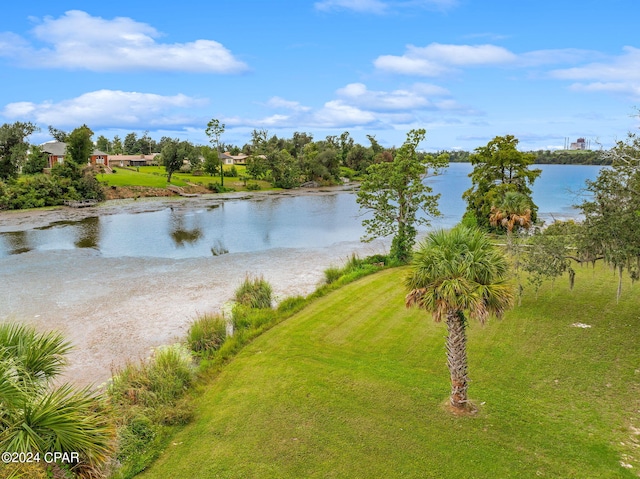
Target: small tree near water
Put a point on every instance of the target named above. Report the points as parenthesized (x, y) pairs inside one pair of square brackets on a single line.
[(394, 192)]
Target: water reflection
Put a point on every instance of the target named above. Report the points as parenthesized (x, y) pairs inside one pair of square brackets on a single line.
[(88, 233), (184, 228), (203, 228), (17, 242)]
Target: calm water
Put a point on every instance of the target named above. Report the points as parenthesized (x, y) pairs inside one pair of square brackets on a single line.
[(241, 226)]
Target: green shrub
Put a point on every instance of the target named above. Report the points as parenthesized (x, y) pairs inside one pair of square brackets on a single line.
[(231, 172), (148, 397), (331, 274), (254, 293), (157, 382), (218, 188), (246, 317), (253, 187), (134, 437), (356, 268), (469, 220), (292, 305), (206, 334)]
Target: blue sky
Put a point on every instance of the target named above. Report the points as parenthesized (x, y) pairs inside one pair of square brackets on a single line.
[(465, 70)]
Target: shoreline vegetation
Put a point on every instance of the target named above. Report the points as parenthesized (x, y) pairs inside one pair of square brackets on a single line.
[(44, 190)]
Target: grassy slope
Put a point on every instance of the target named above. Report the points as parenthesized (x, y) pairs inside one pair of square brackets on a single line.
[(155, 177), (354, 386)]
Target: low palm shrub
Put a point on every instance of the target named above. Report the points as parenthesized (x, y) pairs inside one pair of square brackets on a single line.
[(38, 417)]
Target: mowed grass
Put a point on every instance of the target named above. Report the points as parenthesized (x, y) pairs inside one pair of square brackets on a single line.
[(149, 178), (156, 177), (355, 386)]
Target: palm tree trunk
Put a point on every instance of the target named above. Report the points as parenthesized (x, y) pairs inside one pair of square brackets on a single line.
[(457, 358)]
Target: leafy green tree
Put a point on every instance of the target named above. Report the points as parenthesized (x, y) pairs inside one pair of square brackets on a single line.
[(346, 143), (257, 166), (285, 169), (57, 134), (79, 145), (548, 256), (38, 417), (298, 142), (103, 144), (170, 158), (146, 144), (116, 146), (211, 160), (394, 192), (259, 140), (459, 275), (359, 158), (376, 147), (131, 144), (13, 147), (36, 161), (612, 215), (319, 161), (214, 130), (499, 168)]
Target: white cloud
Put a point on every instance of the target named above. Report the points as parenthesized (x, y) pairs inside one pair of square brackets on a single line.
[(273, 120), (623, 88), (620, 68), (108, 108), (618, 74), (437, 59), (336, 113), (554, 56), (355, 105), (281, 103), (413, 98), (380, 7), (362, 6), (77, 40)]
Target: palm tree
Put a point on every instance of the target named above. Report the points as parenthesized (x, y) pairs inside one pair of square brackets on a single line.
[(36, 416), (456, 275), (513, 211)]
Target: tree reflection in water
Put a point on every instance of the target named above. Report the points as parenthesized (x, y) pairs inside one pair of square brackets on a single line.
[(88, 232), (181, 233)]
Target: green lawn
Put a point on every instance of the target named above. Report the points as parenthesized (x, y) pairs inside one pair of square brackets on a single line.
[(156, 177), (146, 176), (354, 386)]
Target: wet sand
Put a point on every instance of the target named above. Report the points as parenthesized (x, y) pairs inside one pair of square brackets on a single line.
[(118, 309)]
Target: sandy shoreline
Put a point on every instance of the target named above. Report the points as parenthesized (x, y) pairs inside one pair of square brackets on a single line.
[(117, 309)]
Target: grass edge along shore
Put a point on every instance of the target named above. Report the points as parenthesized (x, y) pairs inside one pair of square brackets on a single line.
[(354, 385)]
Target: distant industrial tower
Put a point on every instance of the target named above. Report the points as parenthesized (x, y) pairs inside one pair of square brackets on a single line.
[(580, 144)]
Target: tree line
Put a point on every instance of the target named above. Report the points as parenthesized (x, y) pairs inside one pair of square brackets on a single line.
[(547, 157)]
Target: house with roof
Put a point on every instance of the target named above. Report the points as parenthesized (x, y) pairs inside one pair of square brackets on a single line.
[(229, 159), (132, 160), (57, 149)]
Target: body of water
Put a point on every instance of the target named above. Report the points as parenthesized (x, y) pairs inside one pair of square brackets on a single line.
[(199, 229)]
